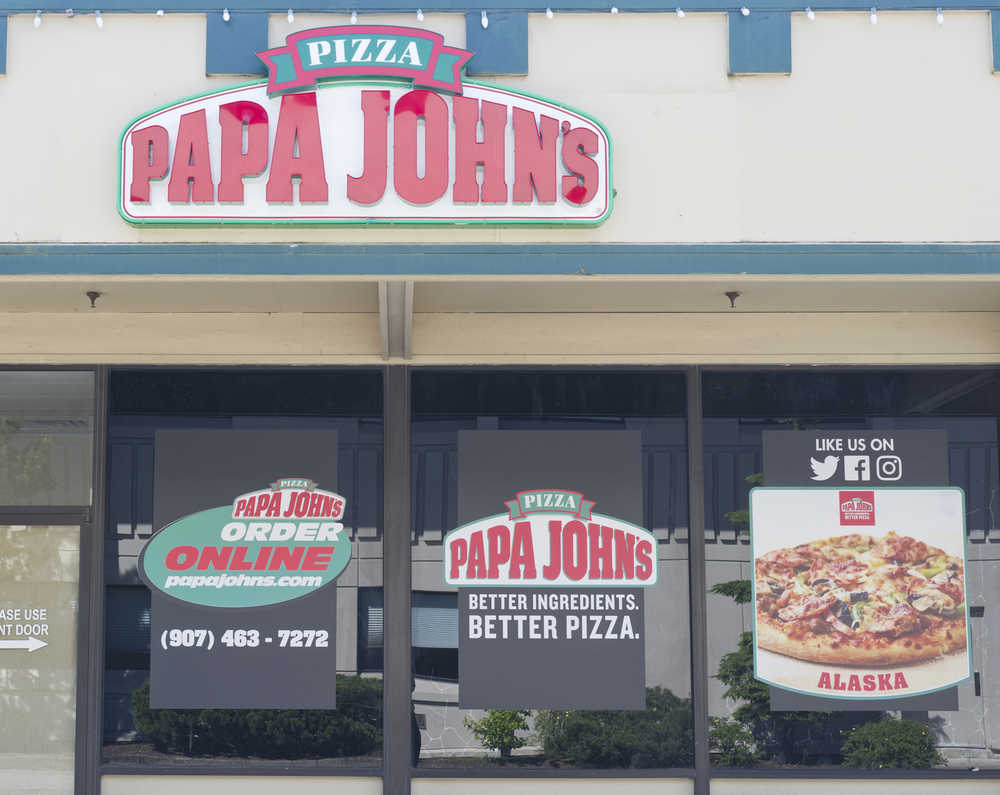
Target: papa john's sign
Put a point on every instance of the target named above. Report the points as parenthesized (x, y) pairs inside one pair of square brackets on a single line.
[(365, 124)]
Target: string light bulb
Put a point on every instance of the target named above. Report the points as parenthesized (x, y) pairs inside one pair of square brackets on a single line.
[(484, 20), (810, 14), (291, 16), (38, 19), (98, 20), (420, 15), (548, 13), (873, 16), (225, 15), (159, 12), (614, 9), (354, 17), (940, 17), (679, 12), (745, 11)]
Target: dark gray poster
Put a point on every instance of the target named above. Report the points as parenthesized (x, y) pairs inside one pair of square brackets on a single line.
[(554, 648), (550, 561), (857, 460), (242, 570)]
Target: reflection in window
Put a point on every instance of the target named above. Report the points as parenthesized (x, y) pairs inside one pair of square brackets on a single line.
[(435, 635), (650, 405), (39, 575), (371, 629), (144, 402), (46, 437), (738, 406)]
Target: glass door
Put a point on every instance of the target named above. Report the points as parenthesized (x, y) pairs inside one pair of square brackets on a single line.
[(39, 600)]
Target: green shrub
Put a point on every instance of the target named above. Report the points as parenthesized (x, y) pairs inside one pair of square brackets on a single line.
[(353, 729), (891, 743), (498, 729), (658, 736), (733, 743), (789, 737)]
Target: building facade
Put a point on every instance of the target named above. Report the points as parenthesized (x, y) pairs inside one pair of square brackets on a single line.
[(792, 227)]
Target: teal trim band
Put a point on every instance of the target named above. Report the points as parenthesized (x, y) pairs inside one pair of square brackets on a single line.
[(995, 33), (231, 47), (3, 45), (486, 260), (502, 47), (760, 43)]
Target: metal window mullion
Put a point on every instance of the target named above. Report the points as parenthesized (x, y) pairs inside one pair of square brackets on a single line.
[(397, 673), (90, 615), (697, 582)]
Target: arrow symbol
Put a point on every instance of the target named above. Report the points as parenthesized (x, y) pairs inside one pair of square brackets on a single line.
[(31, 644)]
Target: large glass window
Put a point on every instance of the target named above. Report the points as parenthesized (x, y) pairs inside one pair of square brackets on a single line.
[(618, 438), (46, 437), (738, 407), (46, 465), (310, 415)]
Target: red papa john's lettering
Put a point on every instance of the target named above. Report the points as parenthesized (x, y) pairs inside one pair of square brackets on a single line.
[(579, 550), (298, 153), (235, 558), (298, 505)]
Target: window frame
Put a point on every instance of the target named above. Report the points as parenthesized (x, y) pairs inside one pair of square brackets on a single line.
[(395, 770)]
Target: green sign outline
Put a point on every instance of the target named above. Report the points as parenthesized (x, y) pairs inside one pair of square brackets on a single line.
[(363, 82)]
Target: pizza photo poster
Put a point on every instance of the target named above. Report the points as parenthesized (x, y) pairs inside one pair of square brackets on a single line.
[(859, 593)]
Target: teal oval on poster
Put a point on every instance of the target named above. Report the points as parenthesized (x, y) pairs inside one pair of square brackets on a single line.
[(234, 557)]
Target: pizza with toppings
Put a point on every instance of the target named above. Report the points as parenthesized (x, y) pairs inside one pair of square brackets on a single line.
[(860, 600)]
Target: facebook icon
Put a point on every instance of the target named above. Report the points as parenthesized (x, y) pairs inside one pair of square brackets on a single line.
[(857, 467)]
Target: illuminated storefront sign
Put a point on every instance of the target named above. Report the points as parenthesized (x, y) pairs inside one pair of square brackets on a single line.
[(365, 124)]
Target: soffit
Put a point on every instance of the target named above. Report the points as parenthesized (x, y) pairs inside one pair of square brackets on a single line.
[(543, 294)]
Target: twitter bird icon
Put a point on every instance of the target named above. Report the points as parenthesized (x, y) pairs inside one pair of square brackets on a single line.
[(825, 469)]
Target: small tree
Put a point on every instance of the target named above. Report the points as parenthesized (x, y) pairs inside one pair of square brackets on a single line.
[(498, 729)]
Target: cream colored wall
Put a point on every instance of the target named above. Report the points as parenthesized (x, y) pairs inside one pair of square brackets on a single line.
[(308, 785), (193, 337), (880, 133), (503, 338), (760, 786), (648, 338), (575, 786), (238, 785)]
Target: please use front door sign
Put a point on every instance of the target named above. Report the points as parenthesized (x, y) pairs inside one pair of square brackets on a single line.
[(365, 124)]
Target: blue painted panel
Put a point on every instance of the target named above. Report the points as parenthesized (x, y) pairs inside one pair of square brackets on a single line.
[(995, 30), (231, 47), (3, 45), (452, 6), (760, 43), (734, 258), (501, 48)]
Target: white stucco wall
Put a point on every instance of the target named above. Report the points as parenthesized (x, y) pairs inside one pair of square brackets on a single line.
[(881, 133)]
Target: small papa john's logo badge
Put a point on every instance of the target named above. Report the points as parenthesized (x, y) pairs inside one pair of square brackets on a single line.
[(857, 507)]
